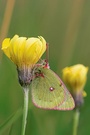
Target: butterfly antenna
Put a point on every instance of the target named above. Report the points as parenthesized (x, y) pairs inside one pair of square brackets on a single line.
[(47, 56), (47, 52)]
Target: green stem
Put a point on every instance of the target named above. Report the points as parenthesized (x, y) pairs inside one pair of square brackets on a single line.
[(76, 121), (25, 110)]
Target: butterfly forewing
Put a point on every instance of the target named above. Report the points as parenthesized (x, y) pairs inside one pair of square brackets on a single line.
[(46, 88)]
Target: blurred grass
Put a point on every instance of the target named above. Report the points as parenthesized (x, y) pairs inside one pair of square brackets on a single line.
[(65, 24)]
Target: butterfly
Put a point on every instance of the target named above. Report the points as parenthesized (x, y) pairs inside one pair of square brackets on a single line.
[(48, 91)]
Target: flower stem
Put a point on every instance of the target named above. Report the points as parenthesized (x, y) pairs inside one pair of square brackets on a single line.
[(25, 110), (76, 121)]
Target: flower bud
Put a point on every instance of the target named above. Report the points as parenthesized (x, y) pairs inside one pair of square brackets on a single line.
[(75, 77)]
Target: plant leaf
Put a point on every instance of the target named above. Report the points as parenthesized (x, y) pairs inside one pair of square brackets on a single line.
[(10, 120)]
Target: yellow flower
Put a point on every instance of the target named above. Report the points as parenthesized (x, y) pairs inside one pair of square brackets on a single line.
[(75, 77), (24, 51)]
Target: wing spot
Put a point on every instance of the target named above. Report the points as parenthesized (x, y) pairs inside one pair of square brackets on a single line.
[(51, 88)]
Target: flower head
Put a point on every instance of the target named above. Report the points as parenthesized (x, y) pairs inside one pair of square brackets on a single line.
[(75, 77), (25, 53)]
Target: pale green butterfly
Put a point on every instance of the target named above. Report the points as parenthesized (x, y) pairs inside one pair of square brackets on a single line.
[(48, 91)]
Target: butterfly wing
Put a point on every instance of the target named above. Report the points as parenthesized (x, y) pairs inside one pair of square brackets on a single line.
[(47, 90), (68, 104)]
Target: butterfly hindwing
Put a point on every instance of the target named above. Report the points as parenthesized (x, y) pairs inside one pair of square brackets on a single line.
[(68, 104), (48, 91)]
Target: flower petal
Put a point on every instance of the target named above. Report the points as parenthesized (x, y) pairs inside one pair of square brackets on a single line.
[(23, 51)]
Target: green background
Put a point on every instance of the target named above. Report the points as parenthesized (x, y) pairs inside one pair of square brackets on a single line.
[(65, 24)]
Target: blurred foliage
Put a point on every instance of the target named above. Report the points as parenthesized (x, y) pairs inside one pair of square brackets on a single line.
[(65, 24)]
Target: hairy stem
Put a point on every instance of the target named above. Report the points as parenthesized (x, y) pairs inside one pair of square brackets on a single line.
[(25, 110), (76, 121)]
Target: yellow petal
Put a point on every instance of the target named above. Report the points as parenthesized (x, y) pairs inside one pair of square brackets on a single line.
[(5, 46), (23, 51), (84, 93), (75, 76)]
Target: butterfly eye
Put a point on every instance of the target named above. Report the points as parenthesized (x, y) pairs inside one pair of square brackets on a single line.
[(51, 88)]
